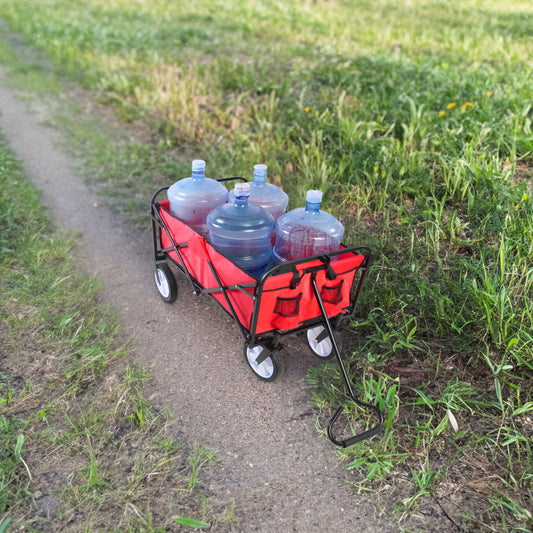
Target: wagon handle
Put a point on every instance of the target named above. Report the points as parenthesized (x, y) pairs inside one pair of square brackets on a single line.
[(232, 178), (369, 432)]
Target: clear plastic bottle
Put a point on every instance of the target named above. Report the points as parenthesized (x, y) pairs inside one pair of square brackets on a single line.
[(191, 199), (242, 232), (307, 231), (267, 195)]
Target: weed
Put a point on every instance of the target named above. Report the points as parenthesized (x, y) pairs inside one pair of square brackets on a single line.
[(15, 475), (504, 503), (200, 457), (141, 408), (190, 522)]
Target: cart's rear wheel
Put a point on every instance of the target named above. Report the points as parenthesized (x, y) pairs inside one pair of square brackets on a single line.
[(320, 342), (268, 369), (165, 282)]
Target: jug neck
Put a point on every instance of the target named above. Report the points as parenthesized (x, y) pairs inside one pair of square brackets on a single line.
[(312, 202), (312, 208), (198, 169), (241, 201), (198, 174)]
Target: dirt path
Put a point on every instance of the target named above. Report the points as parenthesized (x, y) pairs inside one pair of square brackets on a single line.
[(281, 474)]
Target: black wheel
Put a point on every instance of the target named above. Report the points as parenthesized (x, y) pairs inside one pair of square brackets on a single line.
[(320, 343), (269, 368), (165, 282)]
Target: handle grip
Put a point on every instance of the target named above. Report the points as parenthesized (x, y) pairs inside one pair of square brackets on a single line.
[(361, 436)]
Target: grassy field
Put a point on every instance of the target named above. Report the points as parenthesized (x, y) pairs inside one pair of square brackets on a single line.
[(414, 118)]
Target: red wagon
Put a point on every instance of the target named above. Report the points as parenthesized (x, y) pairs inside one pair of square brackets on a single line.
[(315, 295)]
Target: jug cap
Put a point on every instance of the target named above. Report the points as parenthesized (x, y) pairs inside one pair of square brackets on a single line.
[(260, 168), (314, 197), (198, 165), (242, 190)]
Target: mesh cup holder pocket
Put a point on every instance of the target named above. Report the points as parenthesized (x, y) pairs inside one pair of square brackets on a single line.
[(332, 295), (288, 307)]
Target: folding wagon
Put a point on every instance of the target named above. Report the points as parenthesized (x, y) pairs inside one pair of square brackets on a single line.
[(316, 295)]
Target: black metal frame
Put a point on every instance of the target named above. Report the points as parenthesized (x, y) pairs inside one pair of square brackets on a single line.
[(270, 340)]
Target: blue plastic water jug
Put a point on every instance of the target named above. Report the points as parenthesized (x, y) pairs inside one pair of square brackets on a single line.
[(242, 231), (307, 231), (267, 195), (191, 199)]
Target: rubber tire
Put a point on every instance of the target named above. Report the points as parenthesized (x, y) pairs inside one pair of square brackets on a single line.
[(270, 369), (165, 282), (324, 350)]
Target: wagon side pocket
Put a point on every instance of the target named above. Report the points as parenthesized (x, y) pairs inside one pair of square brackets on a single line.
[(288, 307), (332, 294)]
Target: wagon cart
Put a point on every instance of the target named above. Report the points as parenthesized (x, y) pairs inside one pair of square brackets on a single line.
[(315, 296)]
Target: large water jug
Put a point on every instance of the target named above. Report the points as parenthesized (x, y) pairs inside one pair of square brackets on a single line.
[(307, 231), (242, 231), (267, 195), (191, 199)]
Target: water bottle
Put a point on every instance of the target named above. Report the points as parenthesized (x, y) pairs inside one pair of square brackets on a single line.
[(307, 231), (242, 232), (267, 195), (191, 199)]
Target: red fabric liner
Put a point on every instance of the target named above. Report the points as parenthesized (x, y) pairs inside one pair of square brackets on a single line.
[(198, 251)]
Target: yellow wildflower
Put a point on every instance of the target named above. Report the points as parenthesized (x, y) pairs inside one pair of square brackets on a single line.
[(525, 199), (442, 113), (307, 109), (489, 94), (465, 105), (451, 105)]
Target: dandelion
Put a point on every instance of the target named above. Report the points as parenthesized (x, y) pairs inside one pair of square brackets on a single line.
[(489, 94), (307, 109), (451, 105), (442, 113), (525, 199), (465, 105)]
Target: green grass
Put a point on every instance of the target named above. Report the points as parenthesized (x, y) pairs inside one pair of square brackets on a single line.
[(414, 118), (79, 442)]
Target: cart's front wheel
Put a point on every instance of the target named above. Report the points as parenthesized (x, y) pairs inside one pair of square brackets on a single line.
[(266, 368), (320, 342), (165, 282)]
